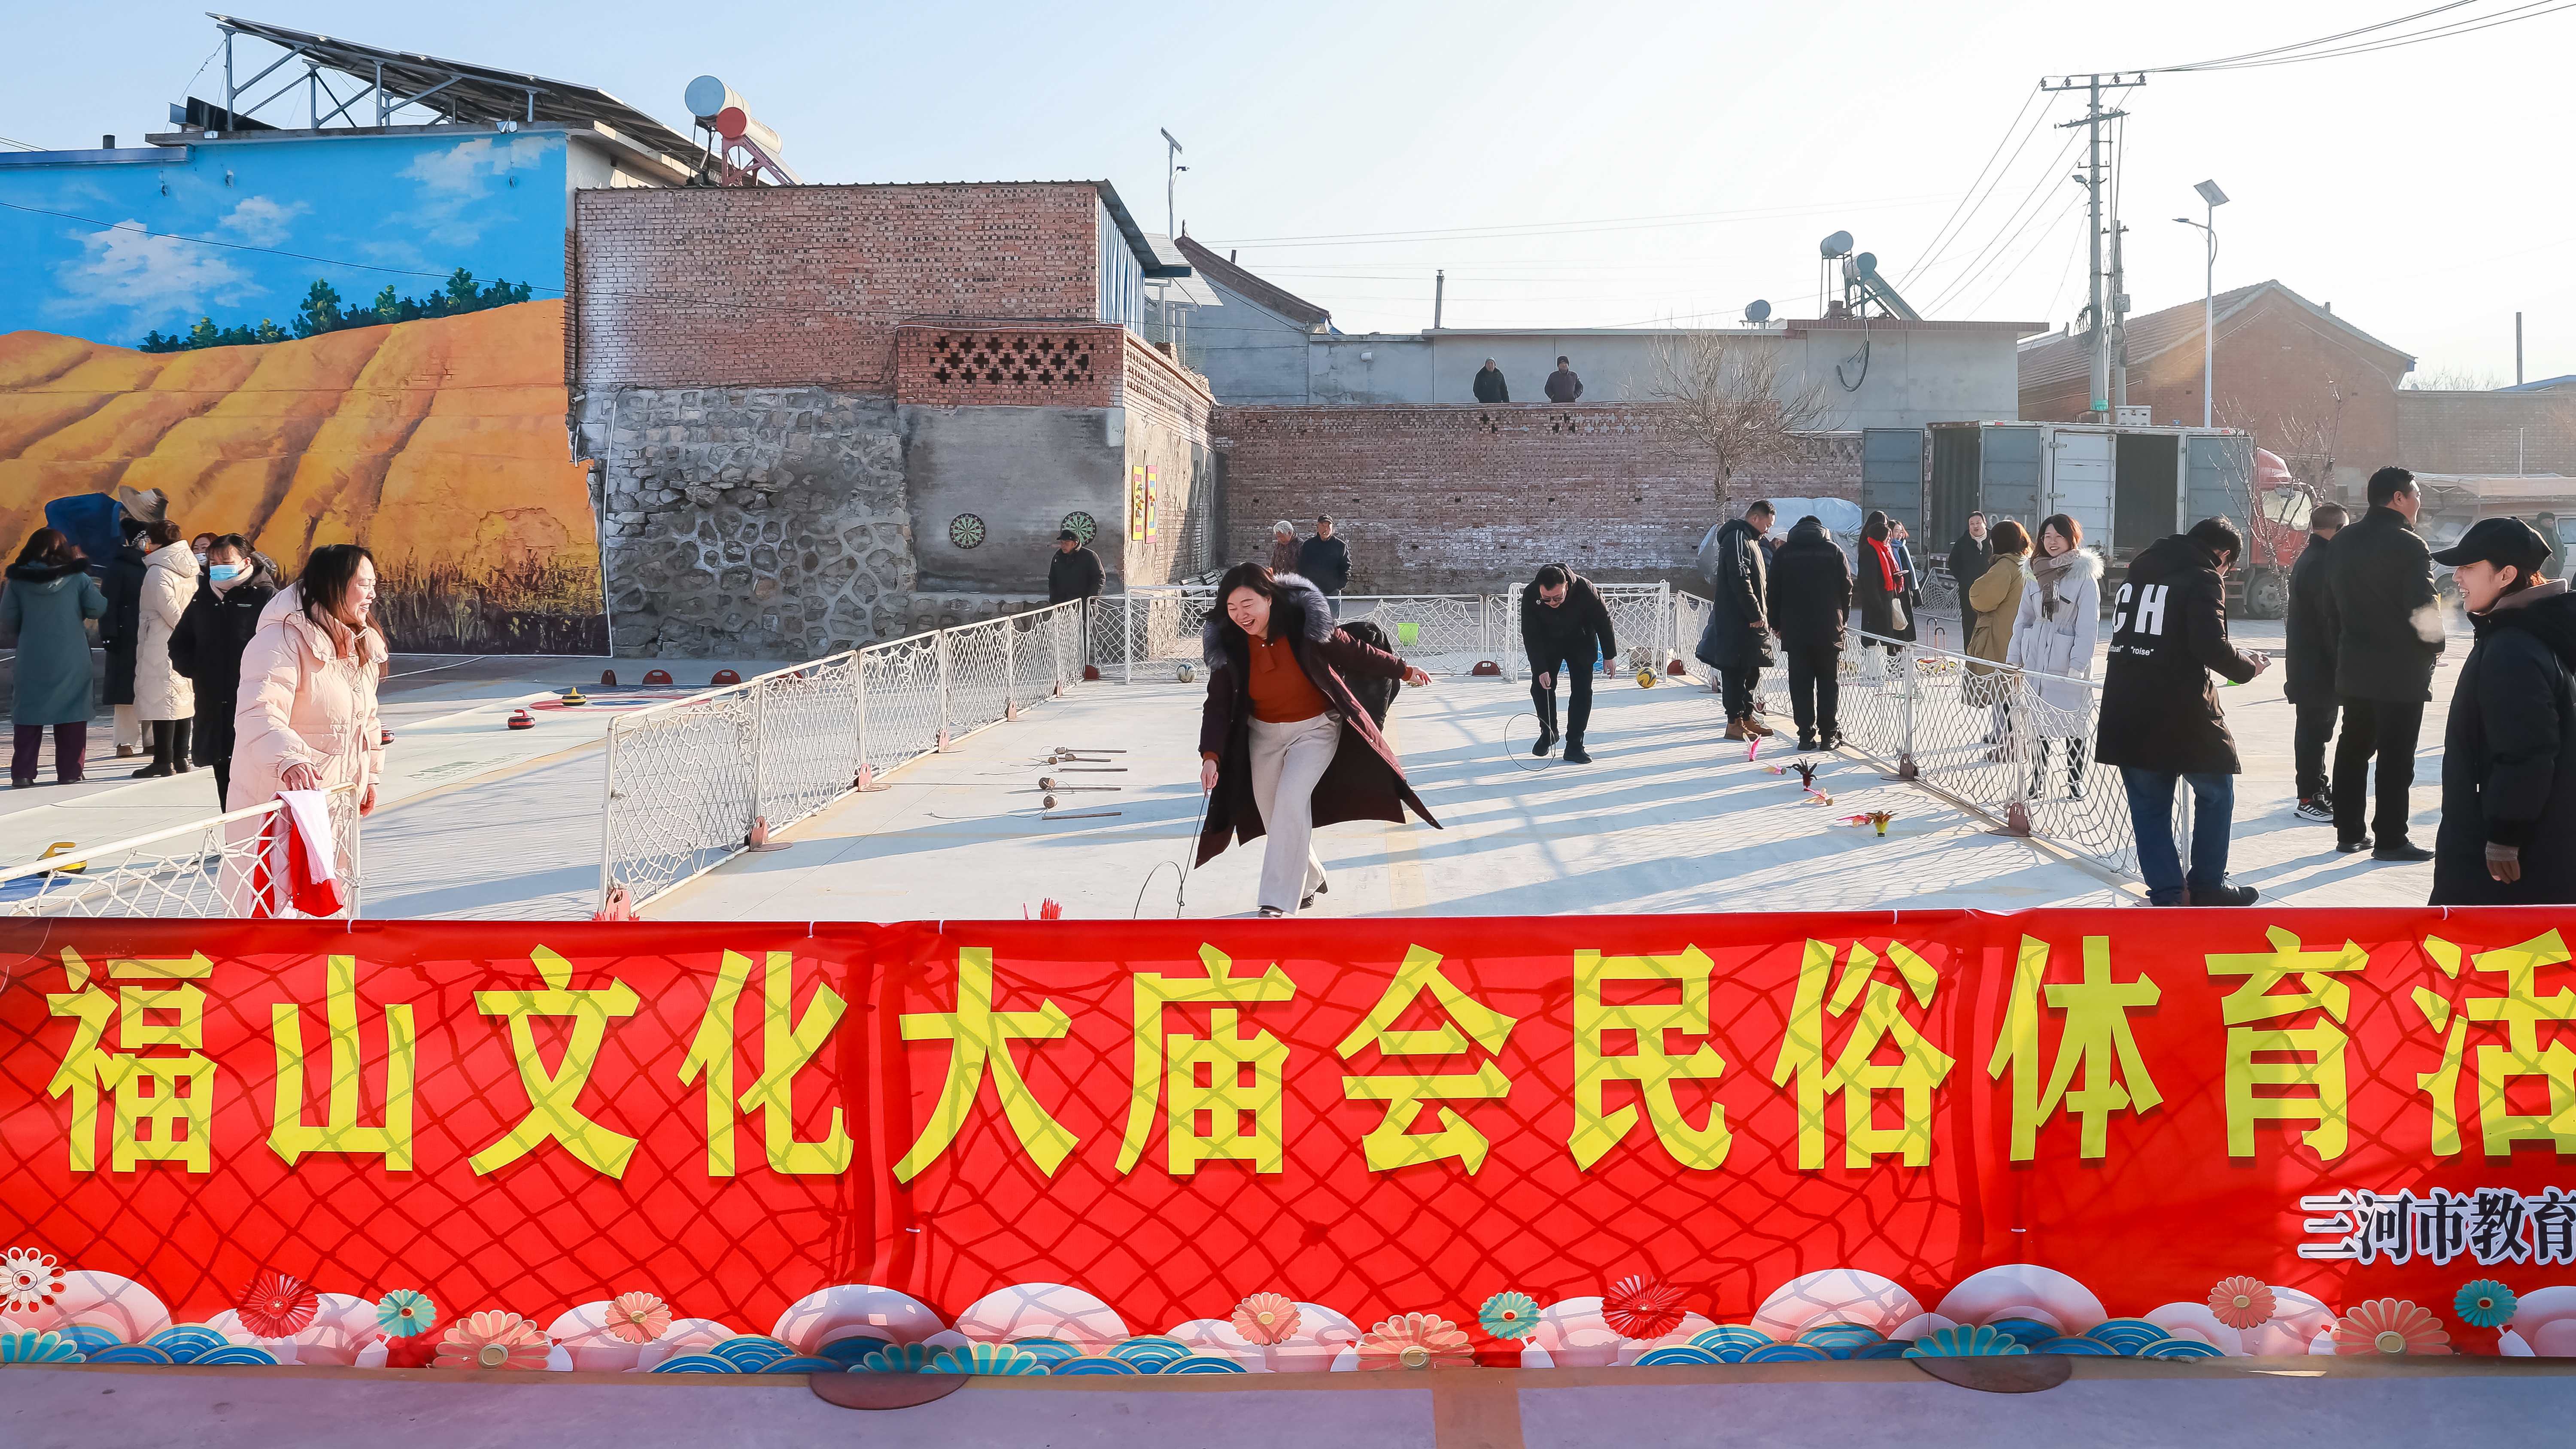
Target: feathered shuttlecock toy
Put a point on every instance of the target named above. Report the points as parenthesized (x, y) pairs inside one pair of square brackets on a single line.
[(1753, 750), (1878, 818)]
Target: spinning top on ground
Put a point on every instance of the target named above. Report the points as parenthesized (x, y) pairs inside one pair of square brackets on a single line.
[(1187, 673), (520, 719), (1046, 802), (1645, 679), (384, 737), (1046, 782)]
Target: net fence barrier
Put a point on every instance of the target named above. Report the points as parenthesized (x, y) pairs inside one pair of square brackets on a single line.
[(206, 868)]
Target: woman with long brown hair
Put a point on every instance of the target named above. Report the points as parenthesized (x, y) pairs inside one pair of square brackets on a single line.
[(1284, 745), (307, 716)]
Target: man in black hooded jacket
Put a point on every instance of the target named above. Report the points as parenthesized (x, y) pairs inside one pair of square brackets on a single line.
[(1737, 640), (2161, 723), (1811, 599), (2508, 831), (1563, 621), (2390, 623)]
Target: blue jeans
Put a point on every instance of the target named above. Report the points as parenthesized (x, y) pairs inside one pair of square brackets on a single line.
[(2151, 804)]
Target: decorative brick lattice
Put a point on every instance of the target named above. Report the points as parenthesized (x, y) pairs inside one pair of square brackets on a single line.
[(1010, 359)]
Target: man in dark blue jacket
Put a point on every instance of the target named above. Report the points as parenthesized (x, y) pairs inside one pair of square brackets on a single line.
[(1326, 562), (2389, 619), (2161, 723)]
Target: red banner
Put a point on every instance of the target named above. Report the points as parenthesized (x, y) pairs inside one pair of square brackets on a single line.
[(1783, 1120)]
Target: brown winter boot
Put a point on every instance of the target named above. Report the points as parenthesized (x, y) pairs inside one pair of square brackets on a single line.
[(1735, 730)]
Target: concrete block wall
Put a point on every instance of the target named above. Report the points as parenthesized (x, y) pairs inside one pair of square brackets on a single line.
[(2487, 432), (766, 286), (1457, 499)]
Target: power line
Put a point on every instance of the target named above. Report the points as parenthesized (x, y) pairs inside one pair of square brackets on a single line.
[(2307, 50), (2009, 230), (1962, 214)]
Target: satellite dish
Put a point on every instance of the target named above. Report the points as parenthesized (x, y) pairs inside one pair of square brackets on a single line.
[(1757, 311), (1837, 245), (1866, 263)]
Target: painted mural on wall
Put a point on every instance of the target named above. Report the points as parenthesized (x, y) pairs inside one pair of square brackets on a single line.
[(313, 342)]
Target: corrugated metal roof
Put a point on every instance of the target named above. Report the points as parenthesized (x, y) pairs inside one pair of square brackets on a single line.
[(1235, 279), (2067, 356)]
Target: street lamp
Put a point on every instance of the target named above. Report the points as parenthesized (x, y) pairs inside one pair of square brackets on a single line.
[(2212, 198)]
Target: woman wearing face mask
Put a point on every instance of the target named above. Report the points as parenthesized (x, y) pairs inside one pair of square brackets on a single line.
[(1284, 745), (202, 546), (164, 701), (209, 643)]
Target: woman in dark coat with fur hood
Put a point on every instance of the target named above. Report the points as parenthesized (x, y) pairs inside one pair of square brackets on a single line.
[(1284, 744)]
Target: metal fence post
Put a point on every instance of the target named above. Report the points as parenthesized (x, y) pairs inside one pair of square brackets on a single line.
[(1010, 670), (1912, 676), (859, 742), (608, 816), (939, 645), (759, 750), (1127, 638), (1663, 624)]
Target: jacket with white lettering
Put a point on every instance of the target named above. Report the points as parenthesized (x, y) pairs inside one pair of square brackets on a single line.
[(2168, 631)]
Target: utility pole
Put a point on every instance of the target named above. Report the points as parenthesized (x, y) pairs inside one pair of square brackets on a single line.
[(1171, 173), (2091, 180), (1439, 294), (2119, 323), (2517, 349)]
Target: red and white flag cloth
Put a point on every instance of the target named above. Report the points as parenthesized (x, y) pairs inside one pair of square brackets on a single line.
[(298, 869)]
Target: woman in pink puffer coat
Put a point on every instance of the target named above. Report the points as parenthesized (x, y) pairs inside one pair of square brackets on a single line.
[(307, 718)]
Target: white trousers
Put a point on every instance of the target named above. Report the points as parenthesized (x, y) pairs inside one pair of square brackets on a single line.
[(1287, 760), (129, 728)]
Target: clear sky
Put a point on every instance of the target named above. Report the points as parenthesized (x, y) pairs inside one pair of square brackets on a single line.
[(1586, 164)]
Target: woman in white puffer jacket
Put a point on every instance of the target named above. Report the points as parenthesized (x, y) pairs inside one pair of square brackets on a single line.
[(307, 718), (164, 701), (2054, 634)]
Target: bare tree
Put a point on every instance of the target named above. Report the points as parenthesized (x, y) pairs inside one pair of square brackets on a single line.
[(2452, 379), (1729, 396)]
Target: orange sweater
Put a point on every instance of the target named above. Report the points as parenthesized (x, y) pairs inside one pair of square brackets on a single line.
[(1281, 692)]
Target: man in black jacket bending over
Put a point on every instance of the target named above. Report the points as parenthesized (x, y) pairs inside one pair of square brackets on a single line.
[(2161, 723), (2390, 630), (1562, 622)]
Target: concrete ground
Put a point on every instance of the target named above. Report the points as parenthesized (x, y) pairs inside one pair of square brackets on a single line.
[(2113, 1403), (478, 820)]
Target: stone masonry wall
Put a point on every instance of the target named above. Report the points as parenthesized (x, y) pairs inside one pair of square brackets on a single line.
[(758, 522)]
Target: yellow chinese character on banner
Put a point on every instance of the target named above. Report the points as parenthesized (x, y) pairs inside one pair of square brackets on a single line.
[(163, 1107), (554, 1112), (290, 1136), (2315, 1072), (1651, 1064), (787, 1043), (2521, 1009), (981, 1040), (1919, 1068), (1234, 1081), (2095, 1041), (1393, 1143)]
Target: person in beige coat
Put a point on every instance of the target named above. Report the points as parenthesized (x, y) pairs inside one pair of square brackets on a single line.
[(307, 718), (1996, 600), (164, 701)]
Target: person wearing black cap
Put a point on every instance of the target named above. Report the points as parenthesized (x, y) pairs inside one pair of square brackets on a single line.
[(1074, 572), (2508, 832)]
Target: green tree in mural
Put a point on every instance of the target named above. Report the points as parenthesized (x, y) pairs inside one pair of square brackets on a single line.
[(320, 312)]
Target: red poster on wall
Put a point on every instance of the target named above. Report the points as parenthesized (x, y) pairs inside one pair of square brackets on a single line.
[(1926, 1127)]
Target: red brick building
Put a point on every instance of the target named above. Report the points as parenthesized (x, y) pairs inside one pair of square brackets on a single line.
[(829, 414), (2308, 384)]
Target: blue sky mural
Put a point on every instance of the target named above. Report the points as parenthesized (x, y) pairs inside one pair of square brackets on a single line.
[(239, 231)]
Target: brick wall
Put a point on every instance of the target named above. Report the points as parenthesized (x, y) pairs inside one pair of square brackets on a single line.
[(1167, 434), (1452, 499), (1010, 364), (806, 285), (2488, 432)]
